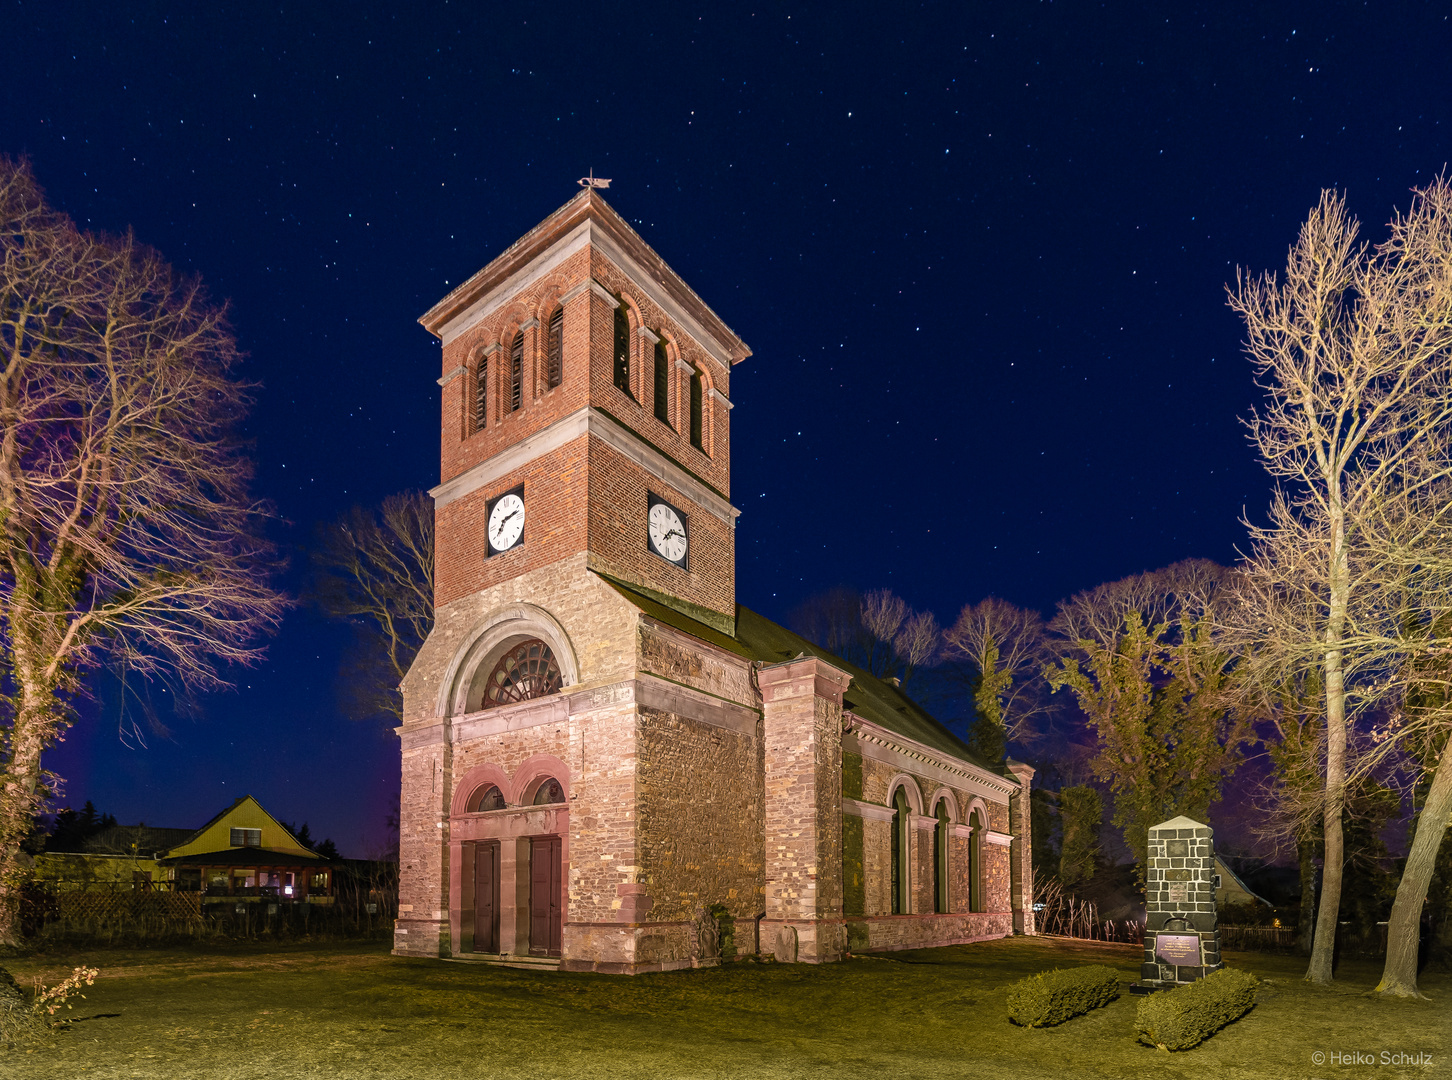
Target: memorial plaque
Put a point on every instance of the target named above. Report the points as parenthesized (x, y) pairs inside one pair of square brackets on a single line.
[(1178, 892), (1181, 950)]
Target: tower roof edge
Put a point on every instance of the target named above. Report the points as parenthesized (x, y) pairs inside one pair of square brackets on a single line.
[(589, 206)]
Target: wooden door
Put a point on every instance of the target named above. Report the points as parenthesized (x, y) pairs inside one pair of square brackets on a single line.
[(486, 896), (544, 896)]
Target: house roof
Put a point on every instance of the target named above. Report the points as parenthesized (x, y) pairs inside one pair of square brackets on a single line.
[(199, 833), (873, 699), (246, 856), (587, 206)]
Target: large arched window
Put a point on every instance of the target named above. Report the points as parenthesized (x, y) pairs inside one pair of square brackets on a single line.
[(901, 822), (526, 671), (481, 393), (975, 862), (555, 350), (622, 349), (662, 384), (941, 831), (550, 792), (516, 372), (698, 409), (488, 798)]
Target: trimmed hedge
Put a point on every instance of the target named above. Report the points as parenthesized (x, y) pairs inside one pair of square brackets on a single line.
[(1055, 996), (1188, 1015)]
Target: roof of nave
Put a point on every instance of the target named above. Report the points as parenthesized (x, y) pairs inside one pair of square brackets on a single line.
[(586, 206), (871, 698)]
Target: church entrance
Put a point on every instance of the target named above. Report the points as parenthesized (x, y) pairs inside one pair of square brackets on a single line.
[(544, 896), (486, 896)]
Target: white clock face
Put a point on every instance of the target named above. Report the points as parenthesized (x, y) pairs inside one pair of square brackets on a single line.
[(667, 532), (506, 522)]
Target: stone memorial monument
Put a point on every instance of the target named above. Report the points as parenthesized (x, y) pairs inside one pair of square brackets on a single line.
[(1181, 940)]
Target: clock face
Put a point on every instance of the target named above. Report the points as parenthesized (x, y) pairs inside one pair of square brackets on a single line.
[(667, 532), (506, 522)]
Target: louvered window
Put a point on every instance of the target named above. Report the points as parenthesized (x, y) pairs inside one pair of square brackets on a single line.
[(698, 438), (662, 384), (516, 372), (556, 347), (622, 349), (481, 393)]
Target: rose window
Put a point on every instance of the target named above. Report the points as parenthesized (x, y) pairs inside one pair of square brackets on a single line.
[(525, 672)]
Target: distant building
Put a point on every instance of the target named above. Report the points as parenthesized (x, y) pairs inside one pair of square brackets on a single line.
[(607, 763), (242, 854), (1229, 889)]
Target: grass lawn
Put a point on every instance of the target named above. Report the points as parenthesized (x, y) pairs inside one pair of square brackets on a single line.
[(356, 1011)]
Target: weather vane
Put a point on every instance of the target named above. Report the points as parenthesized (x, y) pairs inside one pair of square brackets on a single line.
[(593, 181)]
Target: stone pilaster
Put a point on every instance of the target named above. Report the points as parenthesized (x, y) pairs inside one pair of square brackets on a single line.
[(1182, 938), (1021, 854), (802, 726), (422, 926)]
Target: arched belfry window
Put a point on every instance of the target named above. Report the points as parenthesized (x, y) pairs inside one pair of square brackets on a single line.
[(549, 792), (525, 672), (555, 352), (662, 384), (516, 372), (901, 822), (698, 394), (941, 832), (481, 393), (622, 349), (490, 798)]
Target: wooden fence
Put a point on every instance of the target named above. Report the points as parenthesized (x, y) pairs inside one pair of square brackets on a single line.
[(115, 906), (1263, 938)]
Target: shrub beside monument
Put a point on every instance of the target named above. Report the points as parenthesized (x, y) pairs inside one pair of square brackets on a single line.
[(1187, 1016), (1055, 996)]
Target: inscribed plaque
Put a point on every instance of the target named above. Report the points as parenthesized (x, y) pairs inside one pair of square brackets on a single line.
[(1178, 892), (1181, 950)]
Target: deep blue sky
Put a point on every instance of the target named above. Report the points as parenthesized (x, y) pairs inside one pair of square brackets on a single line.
[(979, 250)]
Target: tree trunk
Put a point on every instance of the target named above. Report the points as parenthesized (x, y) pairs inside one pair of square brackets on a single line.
[(21, 778), (1403, 937), (1323, 948), (1306, 924)]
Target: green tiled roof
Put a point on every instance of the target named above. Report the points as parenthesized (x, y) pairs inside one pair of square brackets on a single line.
[(758, 638)]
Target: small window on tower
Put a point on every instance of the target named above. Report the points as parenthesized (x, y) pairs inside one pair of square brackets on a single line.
[(622, 349), (516, 372), (698, 436), (556, 362), (481, 395), (662, 384)]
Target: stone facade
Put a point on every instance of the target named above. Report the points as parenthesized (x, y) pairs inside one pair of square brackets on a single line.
[(680, 781), (1180, 919)]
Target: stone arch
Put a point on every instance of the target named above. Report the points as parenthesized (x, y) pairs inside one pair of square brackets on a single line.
[(914, 793), (976, 818), (945, 793), (978, 806), (534, 772), (475, 780), (497, 632)]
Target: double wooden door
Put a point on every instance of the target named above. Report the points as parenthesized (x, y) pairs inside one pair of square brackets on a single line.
[(544, 896), (486, 896)]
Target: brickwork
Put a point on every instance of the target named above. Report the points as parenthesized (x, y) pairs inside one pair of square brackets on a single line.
[(1180, 902), (700, 817)]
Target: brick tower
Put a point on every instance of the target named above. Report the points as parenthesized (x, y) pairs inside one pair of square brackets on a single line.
[(585, 467)]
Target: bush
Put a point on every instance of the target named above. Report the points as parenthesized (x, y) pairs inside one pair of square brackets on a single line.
[(1055, 996), (1188, 1015)]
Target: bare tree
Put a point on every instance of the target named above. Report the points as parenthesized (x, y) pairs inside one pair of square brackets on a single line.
[(127, 533), (877, 631), (377, 573), (1353, 349), (1004, 647), (1155, 692)]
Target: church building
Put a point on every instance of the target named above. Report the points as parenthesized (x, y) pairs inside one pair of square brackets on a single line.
[(608, 763)]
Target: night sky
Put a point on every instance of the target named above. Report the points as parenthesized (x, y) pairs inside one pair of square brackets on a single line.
[(979, 250)]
